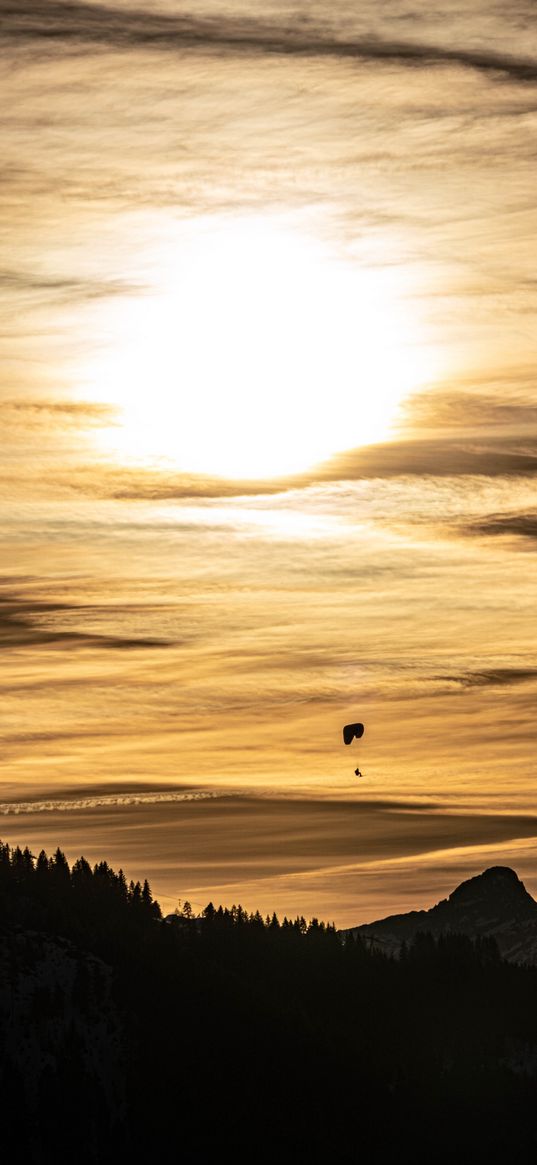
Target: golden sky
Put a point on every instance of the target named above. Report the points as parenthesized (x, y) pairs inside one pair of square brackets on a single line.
[(270, 440)]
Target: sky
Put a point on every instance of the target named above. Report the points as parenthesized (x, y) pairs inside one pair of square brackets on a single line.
[(269, 409)]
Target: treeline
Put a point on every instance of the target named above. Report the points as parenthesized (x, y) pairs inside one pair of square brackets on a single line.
[(262, 1038), (80, 902)]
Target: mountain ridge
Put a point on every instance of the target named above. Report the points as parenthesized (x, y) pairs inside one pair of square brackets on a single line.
[(492, 904)]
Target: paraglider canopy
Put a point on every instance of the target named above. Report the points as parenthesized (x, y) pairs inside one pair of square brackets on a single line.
[(352, 731)]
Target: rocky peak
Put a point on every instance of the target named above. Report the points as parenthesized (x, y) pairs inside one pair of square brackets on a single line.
[(496, 880), (498, 889), (495, 903)]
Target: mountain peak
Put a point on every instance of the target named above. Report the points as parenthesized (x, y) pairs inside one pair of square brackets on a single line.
[(496, 880), (494, 902), (500, 873)]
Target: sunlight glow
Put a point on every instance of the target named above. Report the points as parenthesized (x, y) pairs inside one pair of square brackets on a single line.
[(259, 353)]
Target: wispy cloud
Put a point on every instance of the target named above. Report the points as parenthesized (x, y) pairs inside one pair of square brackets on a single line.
[(80, 23), (498, 525), (30, 286), (507, 406), (55, 414), (76, 804), (510, 455), (33, 623), (498, 677), (492, 456)]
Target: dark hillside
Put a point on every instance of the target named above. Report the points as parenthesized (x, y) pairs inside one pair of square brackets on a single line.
[(232, 1035)]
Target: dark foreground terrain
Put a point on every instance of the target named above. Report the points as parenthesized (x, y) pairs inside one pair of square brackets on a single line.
[(124, 1037)]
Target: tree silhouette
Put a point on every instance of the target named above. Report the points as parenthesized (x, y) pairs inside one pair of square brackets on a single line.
[(358, 1055)]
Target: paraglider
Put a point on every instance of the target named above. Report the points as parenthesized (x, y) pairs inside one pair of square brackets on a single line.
[(353, 732)]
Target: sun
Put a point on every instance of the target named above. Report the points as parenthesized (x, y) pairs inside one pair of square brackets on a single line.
[(258, 352)]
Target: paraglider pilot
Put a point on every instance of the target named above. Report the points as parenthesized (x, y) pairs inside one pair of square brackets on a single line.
[(353, 732)]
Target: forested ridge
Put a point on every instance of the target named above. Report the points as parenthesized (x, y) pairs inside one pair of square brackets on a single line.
[(128, 1037)]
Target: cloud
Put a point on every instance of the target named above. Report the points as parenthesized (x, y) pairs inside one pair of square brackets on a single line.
[(30, 623), (492, 457), (67, 479), (493, 677), (434, 457), (56, 413), (520, 525), (106, 800), (60, 289), (79, 23), (508, 408)]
